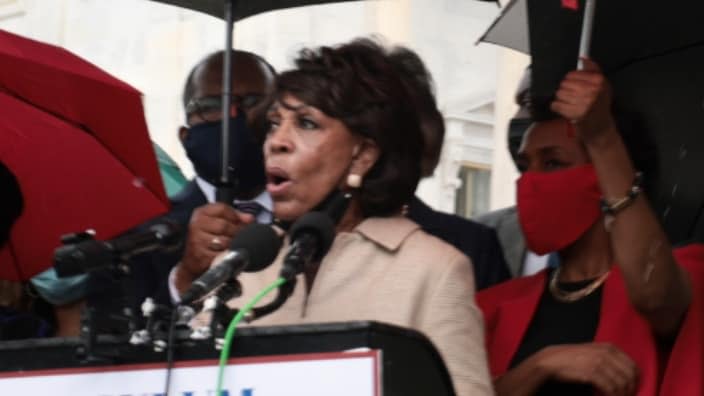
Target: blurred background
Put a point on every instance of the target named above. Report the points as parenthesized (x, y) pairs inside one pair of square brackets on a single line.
[(153, 46)]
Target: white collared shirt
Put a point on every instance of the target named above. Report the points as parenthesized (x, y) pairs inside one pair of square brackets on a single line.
[(533, 263), (264, 199)]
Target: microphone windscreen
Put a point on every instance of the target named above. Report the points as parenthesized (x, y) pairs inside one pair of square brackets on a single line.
[(318, 224), (261, 243), (76, 259)]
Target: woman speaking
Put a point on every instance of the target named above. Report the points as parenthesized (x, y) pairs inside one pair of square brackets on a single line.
[(342, 119)]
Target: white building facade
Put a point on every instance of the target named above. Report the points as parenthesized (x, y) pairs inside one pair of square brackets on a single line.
[(153, 46)]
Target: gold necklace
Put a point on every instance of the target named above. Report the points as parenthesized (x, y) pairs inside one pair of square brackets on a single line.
[(572, 296)]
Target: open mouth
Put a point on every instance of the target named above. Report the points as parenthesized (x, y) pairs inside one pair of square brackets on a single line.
[(277, 181)]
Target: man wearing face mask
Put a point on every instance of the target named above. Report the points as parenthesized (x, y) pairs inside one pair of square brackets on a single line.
[(212, 225), (209, 225), (201, 136)]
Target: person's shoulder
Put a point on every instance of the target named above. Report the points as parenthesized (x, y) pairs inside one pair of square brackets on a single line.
[(691, 258), (689, 254), (461, 223), (188, 194), (431, 247), (440, 223), (187, 200), (510, 289), (495, 217), (407, 241)]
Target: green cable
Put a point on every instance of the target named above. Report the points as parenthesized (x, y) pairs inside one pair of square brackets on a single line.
[(230, 333)]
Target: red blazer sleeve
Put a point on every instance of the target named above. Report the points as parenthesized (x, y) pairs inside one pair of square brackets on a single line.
[(507, 309), (684, 371)]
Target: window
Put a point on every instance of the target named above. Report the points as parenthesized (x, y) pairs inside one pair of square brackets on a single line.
[(472, 198)]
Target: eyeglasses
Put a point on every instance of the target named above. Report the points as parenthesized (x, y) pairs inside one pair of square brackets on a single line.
[(209, 108)]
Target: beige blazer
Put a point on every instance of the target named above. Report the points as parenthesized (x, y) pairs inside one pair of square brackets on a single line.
[(388, 270)]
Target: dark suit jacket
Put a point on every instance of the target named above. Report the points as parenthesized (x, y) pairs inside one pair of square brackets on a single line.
[(476, 241), (150, 271)]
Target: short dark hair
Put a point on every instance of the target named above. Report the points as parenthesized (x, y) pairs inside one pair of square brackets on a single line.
[(12, 202), (358, 84), (641, 147), (419, 84), (189, 86)]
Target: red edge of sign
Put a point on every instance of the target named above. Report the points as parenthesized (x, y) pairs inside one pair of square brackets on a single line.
[(374, 354)]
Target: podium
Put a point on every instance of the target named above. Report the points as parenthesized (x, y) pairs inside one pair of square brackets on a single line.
[(403, 361)]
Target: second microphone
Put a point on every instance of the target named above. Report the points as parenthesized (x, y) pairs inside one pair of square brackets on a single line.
[(253, 249)]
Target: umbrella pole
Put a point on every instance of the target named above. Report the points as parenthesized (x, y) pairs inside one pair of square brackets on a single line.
[(586, 36), (225, 191)]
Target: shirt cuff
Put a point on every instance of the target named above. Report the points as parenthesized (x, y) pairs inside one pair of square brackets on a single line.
[(173, 291)]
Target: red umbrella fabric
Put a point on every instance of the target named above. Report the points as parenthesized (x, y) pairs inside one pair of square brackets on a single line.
[(76, 139)]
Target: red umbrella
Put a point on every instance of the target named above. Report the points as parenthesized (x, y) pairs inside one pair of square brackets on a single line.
[(76, 139)]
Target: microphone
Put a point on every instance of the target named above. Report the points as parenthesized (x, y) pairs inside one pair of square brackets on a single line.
[(252, 250), (311, 238), (90, 255)]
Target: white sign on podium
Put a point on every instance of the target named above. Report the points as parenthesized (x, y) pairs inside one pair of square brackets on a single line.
[(319, 374)]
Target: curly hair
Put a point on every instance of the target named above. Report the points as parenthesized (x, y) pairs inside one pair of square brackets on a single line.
[(420, 85), (358, 84)]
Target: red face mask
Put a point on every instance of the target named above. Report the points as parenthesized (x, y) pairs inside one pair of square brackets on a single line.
[(556, 208)]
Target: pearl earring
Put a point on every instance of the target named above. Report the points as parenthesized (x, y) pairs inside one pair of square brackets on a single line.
[(354, 181)]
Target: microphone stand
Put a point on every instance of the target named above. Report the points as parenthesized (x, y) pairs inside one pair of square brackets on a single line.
[(297, 260), (221, 313), (301, 255), (117, 319)]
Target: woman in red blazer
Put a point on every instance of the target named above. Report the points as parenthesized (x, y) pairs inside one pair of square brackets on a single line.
[(607, 319)]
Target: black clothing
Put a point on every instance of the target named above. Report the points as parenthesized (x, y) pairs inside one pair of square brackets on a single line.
[(556, 322), (476, 241), (149, 272)]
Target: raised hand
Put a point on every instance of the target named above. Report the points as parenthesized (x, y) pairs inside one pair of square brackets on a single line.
[(584, 97), (210, 232)]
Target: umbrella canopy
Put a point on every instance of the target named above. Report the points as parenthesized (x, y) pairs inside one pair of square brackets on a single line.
[(658, 104), (243, 9), (624, 32), (231, 11), (76, 140), (653, 55)]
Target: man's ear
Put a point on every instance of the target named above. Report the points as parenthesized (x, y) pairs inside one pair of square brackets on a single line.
[(182, 134), (365, 155)]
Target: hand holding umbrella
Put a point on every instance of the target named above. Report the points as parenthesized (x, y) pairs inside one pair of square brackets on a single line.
[(584, 98)]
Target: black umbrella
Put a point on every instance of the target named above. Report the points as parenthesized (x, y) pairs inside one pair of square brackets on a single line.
[(653, 55), (624, 32), (660, 103), (231, 11), (243, 8)]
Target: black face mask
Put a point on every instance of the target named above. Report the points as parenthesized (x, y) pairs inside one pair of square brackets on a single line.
[(246, 165)]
